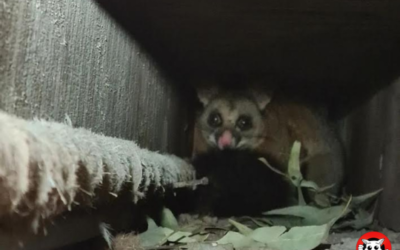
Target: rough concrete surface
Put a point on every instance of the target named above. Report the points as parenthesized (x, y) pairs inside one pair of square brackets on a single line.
[(48, 169), (372, 141), (61, 57)]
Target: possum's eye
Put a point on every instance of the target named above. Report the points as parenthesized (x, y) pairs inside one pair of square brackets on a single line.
[(376, 247), (244, 123), (214, 120), (369, 248)]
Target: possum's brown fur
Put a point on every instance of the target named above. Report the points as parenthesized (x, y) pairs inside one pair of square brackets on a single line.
[(284, 122)]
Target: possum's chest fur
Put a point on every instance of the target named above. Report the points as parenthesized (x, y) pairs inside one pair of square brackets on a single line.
[(239, 184)]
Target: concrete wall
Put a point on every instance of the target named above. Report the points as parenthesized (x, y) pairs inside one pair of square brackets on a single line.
[(325, 50), (68, 57), (373, 143), (62, 57)]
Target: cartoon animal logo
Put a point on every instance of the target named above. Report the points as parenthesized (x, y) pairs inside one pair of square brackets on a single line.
[(372, 244), (373, 241)]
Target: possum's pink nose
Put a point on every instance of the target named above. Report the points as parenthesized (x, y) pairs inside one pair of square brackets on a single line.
[(225, 140)]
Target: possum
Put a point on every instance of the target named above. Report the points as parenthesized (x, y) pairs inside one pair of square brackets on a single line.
[(269, 124)]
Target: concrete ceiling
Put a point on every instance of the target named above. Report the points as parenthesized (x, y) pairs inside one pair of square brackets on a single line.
[(340, 48)]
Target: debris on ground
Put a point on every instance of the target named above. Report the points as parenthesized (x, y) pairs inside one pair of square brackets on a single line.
[(305, 226)]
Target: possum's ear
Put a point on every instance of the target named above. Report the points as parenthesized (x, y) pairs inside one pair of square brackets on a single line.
[(205, 94), (262, 98), (365, 241), (381, 241)]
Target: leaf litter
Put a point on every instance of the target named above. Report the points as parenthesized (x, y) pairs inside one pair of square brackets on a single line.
[(300, 227)]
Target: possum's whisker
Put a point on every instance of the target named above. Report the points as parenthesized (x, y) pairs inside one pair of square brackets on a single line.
[(254, 136)]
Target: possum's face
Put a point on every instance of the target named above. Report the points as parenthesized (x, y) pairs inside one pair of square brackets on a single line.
[(232, 121)]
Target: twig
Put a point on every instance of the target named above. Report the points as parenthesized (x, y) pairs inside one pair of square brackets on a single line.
[(263, 160), (166, 247), (194, 183), (177, 240), (329, 195), (255, 221), (215, 228)]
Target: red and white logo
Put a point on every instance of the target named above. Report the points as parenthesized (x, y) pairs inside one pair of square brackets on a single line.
[(373, 241)]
